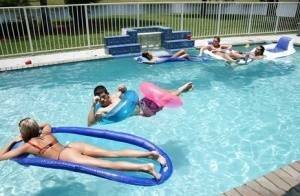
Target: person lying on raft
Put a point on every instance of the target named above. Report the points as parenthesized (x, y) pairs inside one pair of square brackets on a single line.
[(39, 141), (154, 59), (216, 47), (235, 56), (145, 107)]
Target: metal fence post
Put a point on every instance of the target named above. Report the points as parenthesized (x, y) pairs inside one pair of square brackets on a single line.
[(28, 29), (138, 15), (276, 25), (87, 26), (181, 18), (219, 19), (250, 19)]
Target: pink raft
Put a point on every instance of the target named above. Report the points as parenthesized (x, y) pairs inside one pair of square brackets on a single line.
[(161, 97)]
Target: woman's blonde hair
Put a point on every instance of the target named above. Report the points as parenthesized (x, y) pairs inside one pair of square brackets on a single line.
[(29, 128)]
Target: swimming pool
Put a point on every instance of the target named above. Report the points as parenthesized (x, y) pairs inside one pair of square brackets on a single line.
[(234, 126)]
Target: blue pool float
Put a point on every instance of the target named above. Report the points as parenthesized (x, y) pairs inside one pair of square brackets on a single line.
[(161, 59), (124, 109), (166, 172)]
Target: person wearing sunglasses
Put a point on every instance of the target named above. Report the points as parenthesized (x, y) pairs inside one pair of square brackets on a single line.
[(216, 47), (145, 107), (39, 141)]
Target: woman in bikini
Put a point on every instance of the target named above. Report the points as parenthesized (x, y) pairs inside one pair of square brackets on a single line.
[(40, 141), (154, 59)]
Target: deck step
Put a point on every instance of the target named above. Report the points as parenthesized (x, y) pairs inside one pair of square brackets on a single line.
[(122, 39), (180, 43), (124, 49)]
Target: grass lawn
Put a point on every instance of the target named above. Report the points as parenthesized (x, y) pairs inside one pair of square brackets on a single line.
[(107, 26), (62, 2)]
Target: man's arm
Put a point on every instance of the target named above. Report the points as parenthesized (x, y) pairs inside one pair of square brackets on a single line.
[(121, 89), (202, 49), (92, 118), (226, 46)]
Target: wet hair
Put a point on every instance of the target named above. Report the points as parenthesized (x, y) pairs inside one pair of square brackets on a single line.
[(217, 38), (262, 50), (99, 90), (29, 128), (146, 55)]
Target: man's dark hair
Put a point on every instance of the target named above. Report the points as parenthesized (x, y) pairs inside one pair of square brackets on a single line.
[(217, 37), (99, 90), (262, 50)]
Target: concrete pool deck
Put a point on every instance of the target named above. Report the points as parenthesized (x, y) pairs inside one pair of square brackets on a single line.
[(283, 181), (38, 60)]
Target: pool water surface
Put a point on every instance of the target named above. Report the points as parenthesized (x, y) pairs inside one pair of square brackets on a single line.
[(234, 126)]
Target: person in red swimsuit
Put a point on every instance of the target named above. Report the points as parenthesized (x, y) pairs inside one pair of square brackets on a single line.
[(40, 141)]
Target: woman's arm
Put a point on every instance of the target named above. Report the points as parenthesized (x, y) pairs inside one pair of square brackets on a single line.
[(149, 62), (6, 153), (45, 127)]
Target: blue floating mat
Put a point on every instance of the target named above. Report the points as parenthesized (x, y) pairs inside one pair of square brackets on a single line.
[(166, 172), (165, 56)]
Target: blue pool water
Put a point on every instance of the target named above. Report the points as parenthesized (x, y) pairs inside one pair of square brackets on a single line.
[(233, 127)]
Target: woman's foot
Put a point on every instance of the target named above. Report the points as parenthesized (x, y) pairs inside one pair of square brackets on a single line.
[(149, 168), (188, 86), (156, 156)]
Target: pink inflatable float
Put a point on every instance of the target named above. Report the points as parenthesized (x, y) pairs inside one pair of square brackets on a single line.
[(161, 97)]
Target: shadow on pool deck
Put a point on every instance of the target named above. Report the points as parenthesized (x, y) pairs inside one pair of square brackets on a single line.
[(294, 191)]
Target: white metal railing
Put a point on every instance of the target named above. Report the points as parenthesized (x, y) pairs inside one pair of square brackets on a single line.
[(25, 30)]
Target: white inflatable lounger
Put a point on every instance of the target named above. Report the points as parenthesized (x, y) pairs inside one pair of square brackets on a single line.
[(283, 48)]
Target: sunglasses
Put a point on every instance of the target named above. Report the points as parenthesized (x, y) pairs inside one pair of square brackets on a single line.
[(102, 95)]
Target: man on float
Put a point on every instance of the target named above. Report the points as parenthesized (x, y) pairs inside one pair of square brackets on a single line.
[(216, 47), (153, 102)]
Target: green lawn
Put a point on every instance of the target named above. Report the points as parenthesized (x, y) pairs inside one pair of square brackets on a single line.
[(61, 2), (200, 27)]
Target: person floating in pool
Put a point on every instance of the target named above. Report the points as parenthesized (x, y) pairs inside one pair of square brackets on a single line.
[(155, 59), (216, 48), (145, 107), (38, 140), (235, 56)]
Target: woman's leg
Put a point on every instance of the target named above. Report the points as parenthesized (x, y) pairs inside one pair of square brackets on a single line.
[(72, 155), (179, 54), (93, 151)]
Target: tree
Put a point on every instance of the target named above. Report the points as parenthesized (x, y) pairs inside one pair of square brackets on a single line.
[(78, 13), (45, 16), (7, 3)]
